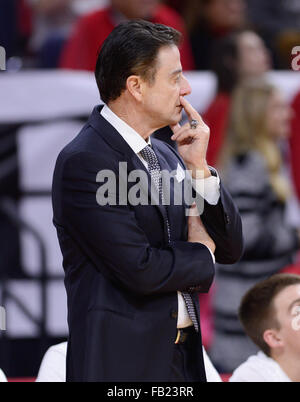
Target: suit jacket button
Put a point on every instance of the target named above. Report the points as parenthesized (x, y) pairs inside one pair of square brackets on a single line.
[(174, 314)]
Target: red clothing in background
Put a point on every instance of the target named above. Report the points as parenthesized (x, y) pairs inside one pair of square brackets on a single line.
[(24, 18), (177, 5), (295, 144), (216, 117), (80, 52)]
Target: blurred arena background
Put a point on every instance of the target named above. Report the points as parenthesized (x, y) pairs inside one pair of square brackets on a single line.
[(46, 94)]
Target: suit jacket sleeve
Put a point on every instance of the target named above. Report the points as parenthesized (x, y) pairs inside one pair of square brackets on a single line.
[(222, 221), (224, 225), (111, 237)]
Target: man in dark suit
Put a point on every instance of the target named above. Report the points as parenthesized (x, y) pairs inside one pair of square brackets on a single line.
[(134, 270)]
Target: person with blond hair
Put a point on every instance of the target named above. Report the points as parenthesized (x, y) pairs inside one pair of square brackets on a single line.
[(253, 169), (270, 315)]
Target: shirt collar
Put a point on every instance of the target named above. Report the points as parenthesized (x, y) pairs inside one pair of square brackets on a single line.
[(133, 139)]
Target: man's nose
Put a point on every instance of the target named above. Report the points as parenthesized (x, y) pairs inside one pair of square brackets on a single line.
[(185, 87)]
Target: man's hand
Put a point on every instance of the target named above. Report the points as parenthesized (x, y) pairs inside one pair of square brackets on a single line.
[(198, 234), (193, 142)]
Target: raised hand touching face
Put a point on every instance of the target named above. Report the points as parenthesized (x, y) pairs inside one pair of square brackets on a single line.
[(192, 140)]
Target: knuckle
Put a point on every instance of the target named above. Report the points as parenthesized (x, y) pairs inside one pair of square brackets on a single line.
[(206, 129)]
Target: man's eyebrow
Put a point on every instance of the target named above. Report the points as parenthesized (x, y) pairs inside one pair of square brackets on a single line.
[(293, 303), (175, 72)]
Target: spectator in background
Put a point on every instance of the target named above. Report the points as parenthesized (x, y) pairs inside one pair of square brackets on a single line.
[(81, 50), (279, 24), (295, 143), (52, 23), (211, 20), (270, 314), (15, 26), (238, 58), (252, 169)]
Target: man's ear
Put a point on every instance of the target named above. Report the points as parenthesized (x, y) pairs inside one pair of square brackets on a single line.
[(273, 339), (134, 86)]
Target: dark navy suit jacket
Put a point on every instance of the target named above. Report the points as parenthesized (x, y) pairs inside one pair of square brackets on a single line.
[(121, 275)]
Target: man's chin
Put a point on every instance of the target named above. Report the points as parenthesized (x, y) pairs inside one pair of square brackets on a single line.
[(171, 121), (176, 119)]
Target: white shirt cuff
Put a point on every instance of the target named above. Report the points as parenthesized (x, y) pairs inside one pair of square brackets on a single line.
[(212, 255), (208, 188)]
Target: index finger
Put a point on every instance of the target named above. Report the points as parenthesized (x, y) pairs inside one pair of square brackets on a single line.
[(190, 111)]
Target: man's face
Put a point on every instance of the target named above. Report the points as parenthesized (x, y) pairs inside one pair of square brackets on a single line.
[(161, 99), (287, 307), (133, 9)]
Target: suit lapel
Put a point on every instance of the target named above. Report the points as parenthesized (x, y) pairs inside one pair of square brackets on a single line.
[(134, 163), (173, 210), (112, 137)]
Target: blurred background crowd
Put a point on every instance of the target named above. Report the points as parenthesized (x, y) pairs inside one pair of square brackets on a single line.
[(255, 141), (48, 34)]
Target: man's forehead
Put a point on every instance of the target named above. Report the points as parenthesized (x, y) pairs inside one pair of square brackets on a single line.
[(287, 296), (169, 58)]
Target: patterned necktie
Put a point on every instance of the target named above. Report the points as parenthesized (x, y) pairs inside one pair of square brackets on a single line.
[(155, 172)]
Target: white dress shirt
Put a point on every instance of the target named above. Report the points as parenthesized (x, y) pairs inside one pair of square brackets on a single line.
[(259, 368), (208, 188)]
